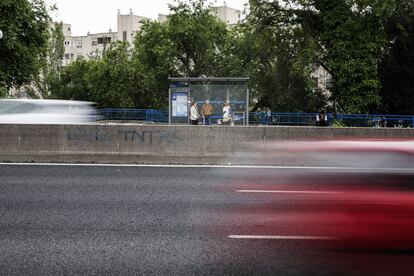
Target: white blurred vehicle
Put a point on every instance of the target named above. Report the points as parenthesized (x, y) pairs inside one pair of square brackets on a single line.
[(16, 111)]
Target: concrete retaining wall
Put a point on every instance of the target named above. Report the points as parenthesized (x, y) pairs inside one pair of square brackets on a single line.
[(159, 144)]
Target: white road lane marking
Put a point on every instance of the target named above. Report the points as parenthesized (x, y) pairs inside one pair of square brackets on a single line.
[(278, 237), (285, 192), (311, 168)]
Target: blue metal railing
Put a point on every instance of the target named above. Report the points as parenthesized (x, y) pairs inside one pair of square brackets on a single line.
[(267, 118), (284, 118), (145, 115), (376, 120)]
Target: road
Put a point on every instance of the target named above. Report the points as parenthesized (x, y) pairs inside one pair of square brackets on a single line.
[(165, 221)]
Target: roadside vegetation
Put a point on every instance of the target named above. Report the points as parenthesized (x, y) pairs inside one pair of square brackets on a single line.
[(366, 46)]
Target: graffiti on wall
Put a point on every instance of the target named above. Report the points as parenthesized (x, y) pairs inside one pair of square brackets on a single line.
[(88, 134), (147, 137)]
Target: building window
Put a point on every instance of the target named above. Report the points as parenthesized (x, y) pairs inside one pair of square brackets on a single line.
[(79, 44), (95, 43), (124, 36), (103, 40)]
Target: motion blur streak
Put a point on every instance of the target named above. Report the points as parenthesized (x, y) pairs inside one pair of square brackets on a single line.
[(21, 111), (368, 218), (371, 209)]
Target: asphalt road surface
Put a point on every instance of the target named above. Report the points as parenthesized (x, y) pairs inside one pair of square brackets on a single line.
[(68, 220)]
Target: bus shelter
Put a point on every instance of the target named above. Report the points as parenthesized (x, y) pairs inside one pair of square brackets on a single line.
[(184, 91)]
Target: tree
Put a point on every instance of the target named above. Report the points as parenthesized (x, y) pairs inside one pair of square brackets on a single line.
[(279, 64), (3, 92), (191, 43), (346, 37), (51, 66), (74, 82), (112, 79), (25, 24), (197, 37), (115, 80), (397, 66), (153, 56)]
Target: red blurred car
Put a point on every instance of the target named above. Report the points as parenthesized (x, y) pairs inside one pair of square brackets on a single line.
[(360, 193)]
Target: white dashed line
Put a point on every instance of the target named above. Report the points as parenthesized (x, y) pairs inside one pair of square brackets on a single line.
[(285, 192), (270, 237)]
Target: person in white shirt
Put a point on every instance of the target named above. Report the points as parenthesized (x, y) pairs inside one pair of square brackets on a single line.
[(227, 114), (194, 115), (322, 118)]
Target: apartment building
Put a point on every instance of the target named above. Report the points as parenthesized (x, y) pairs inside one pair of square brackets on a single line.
[(90, 46), (93, 46), (228, 15), (128, 25)]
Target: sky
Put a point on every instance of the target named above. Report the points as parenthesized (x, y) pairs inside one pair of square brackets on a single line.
[(97, 16)]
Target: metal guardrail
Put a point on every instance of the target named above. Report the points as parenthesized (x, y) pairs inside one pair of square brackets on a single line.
[(144, 115), (255, 118), (390, 121), (267, 118), (284, 118)]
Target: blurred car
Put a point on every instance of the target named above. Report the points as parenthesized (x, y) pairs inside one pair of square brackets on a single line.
[(357, 192), (371, 199), (16, 111)]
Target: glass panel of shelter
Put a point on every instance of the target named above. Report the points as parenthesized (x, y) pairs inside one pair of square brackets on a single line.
[(217, 92)]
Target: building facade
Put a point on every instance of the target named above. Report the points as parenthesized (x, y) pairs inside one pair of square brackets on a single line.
[(128, 25), (92, 46), (228, 15)]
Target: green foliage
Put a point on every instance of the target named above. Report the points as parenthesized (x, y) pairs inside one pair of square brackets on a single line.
[(353, 36), (111, 77), (346, 38), (365, 45), (25, 26), (51, 65), (153, 59), (397, 67), (74, 82), (108, 82), (191, 42), (3, 92), (338, 124), (278, 62)]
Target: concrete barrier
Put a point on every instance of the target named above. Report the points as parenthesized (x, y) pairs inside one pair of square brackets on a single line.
[(160, 144)]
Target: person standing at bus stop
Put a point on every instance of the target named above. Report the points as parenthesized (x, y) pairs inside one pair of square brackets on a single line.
[(206, 112), (194, 115), (227, 116)]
